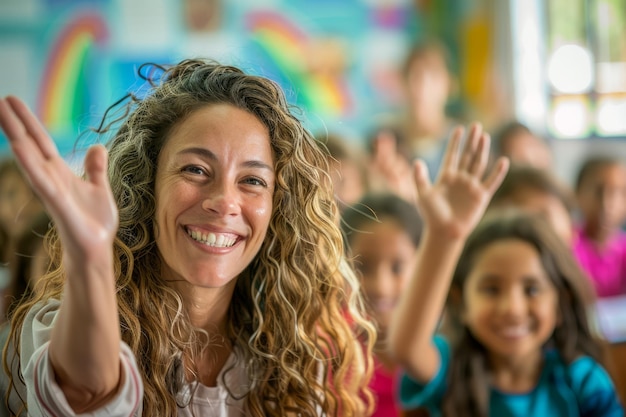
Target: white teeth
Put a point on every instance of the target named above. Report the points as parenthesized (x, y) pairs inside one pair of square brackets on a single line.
[(514, 331), (212, 239)]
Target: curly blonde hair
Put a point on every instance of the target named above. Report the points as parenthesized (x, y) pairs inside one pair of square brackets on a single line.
[(296, 317)]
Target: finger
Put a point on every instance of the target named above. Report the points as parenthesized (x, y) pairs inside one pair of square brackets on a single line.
[(10, 123), (22, 145), (494, 179), (481, 156), (422, 179), (451, 157), (385, 147), (96, 165), (471, 146), (32, 126)]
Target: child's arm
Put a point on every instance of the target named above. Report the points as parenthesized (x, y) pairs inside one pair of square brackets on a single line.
[(451, 208)]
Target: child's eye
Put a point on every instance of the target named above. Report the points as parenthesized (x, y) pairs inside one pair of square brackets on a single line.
[(489, 289), (532, 290), (397, 267)]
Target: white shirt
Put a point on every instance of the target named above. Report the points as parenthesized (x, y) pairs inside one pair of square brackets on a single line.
[(45, 397)]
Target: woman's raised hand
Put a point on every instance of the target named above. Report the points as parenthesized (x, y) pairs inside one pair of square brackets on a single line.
[(456, 201), (83, 210)]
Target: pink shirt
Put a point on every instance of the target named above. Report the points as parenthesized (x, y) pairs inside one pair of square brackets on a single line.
[(384, 385), (607, 266)]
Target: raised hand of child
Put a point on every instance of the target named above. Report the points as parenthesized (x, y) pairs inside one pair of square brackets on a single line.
[(391, 168), (83, 210), (456, 201)]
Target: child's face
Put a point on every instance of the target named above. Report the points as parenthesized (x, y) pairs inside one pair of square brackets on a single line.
[(385, 258), (527, 149), (547, 205), (347, 181), (428, 83), (602, 197), (510, 304)]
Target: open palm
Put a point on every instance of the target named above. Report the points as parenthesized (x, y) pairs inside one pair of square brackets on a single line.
[(456, 201), (83, 210)]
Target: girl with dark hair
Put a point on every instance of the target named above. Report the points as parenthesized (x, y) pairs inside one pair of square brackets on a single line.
[(517, 339), (382, 234), (599, 238)]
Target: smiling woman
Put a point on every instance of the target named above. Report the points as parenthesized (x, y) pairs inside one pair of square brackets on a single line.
[(201, 266)]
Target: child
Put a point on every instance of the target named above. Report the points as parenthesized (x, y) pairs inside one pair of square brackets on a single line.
[(523, 147), (521, 345), (600, 244), (537, 191), (29, 261), (382, 232), (18, 207), (347, 168)]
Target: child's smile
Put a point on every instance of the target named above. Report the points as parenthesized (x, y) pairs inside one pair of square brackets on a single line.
[(510, 305)]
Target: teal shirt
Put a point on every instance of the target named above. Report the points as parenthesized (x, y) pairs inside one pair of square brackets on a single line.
[(582, 388)]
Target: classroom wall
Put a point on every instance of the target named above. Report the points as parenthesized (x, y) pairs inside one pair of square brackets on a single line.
[(70, 59), (337, 60)]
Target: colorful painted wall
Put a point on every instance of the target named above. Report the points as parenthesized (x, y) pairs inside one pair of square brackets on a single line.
[(70, 59)]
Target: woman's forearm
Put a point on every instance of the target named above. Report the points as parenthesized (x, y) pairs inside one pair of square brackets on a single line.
[(85, 340)]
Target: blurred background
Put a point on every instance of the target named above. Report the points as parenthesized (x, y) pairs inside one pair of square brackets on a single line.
[(558, 66)]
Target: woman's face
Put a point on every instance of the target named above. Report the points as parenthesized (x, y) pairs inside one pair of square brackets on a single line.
[(214, 188)]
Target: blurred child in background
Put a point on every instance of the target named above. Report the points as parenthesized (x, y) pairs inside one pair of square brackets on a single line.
[(600, 243), (523, 147), (382, 233), (389, 166), (18, 207), (522, 344), (29, 261), (347, 169), (428, 85), (538, 191)]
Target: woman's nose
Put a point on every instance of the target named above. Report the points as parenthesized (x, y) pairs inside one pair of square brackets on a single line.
[(223, 199)]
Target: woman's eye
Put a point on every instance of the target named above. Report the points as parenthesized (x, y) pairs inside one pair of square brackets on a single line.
[(193, 169), (255, 181)]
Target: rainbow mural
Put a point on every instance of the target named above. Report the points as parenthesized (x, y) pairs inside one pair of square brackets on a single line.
[(286, 45), (63, 94)]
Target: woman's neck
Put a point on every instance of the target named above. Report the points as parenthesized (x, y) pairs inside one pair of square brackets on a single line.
[(208, 310)]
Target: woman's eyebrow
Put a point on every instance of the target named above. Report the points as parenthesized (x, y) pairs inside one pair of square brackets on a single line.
[(207, 154)]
